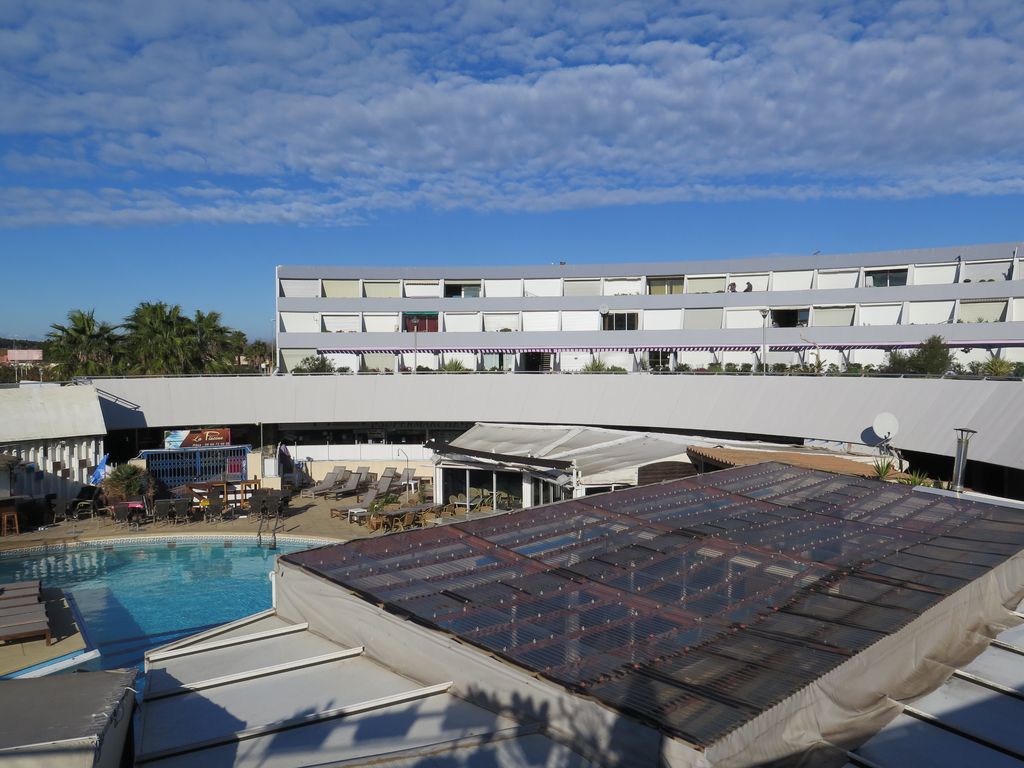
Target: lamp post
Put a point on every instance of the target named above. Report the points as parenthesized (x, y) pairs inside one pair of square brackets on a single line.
[(764, 342), (963, 437), (415, 345)]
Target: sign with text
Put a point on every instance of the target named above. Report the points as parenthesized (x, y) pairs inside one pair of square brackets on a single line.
[(195, 438)]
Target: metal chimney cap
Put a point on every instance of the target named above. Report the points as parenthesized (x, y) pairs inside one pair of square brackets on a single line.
[(965, 432)]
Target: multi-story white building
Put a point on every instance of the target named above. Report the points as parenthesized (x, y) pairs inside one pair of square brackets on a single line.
[(850, 308)]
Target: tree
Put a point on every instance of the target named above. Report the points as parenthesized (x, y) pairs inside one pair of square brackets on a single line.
[(314, 364), (213, 348), (83, 347), (932, 357), (157, 339)]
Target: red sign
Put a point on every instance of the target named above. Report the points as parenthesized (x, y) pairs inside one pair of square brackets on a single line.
[(200, 437)]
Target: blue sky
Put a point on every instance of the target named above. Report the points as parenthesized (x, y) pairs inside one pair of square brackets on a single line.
[(177, 151)]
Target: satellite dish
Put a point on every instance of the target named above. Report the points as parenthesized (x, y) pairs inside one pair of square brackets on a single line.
[(886, 426), (603, 309)]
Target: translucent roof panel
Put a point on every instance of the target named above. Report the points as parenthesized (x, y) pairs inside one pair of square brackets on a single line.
[(695, 604)]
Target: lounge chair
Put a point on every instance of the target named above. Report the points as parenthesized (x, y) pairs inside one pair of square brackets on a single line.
[(182, 511), (19, 590), (386, 481), (30, 624), (162, 511), (350, 486), (329, 481)]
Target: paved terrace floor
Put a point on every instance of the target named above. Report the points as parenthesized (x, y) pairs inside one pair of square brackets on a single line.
[(303, 517)]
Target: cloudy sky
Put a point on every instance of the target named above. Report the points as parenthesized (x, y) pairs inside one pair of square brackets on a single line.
[(142, 140)]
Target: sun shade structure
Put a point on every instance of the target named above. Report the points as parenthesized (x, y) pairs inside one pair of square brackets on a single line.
[(696, 606)]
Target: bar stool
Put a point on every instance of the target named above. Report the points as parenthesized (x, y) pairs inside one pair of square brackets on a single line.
[(8, 515)]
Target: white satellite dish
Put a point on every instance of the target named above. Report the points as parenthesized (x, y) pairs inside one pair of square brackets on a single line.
[(603, 309), (886, 426)]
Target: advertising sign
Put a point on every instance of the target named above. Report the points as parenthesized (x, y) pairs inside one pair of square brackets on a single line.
[(195, 438)]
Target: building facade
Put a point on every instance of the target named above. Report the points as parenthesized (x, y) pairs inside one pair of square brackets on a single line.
[(840, 309)]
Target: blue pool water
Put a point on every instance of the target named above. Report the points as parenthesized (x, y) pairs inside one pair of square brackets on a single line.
[(134, 597)]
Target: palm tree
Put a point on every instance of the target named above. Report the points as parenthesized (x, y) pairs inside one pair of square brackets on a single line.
[(83, 347), (212, 345), (997, 366), (257, 353), (158, 339)]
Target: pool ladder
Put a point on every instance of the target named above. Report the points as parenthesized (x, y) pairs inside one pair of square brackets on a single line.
[(272, 544)]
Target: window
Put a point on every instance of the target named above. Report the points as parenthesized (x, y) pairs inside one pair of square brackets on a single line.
[(790, 318), (586, 287), (620, 321), (421, 322), (462, 289), (663, 286), (885, 278), (659, 360)]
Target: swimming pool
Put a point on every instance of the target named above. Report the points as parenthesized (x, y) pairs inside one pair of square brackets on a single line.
[(130, 597)]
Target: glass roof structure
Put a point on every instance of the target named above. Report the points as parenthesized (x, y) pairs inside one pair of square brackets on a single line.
[(693, 605)]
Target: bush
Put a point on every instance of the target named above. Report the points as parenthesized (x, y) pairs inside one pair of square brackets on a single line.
[(127, 481), (595, 366), (682, 368), (731, 367), (715, 368), (746, 368), (314, 364), (780, 368)]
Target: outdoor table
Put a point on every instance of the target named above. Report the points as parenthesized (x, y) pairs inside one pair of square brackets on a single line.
[(357, 515)]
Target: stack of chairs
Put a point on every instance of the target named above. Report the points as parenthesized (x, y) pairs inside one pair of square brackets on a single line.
[(333, 478)]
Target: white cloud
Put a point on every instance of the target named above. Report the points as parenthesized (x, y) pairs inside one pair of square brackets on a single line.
[(239, 112)]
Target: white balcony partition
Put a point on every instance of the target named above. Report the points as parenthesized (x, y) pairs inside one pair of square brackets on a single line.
[(540, 321), (341, 360), (705, 284), (500, 321), (574, 361), (702, 319), (982, 271), (845, 278), (421, 359), (743, 318), (303, 289), (341, 289), (623, 286), (380, 361), (934, 274), (832, 316), (291, 357), (542, 287), (382, 289), (587, 287), (503, 288), (758, 281), (798, 280), (589, 320), (930, 312), (423, 289), (384, 322), (880, 314), (300, 322), (662, 319), (462, 321), (347, 323), (983, 311)]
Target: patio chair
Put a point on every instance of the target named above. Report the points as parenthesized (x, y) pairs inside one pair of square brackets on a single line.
[(329, 481), (85, 502), (431, 516), (162, 511), (182, 511), (376, 522), (122, 516), (61, 511), (214, 511), (404, 522)]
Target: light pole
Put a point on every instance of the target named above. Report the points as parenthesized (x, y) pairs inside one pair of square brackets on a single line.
[(399, 450), (415, 344), (764, 342)]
